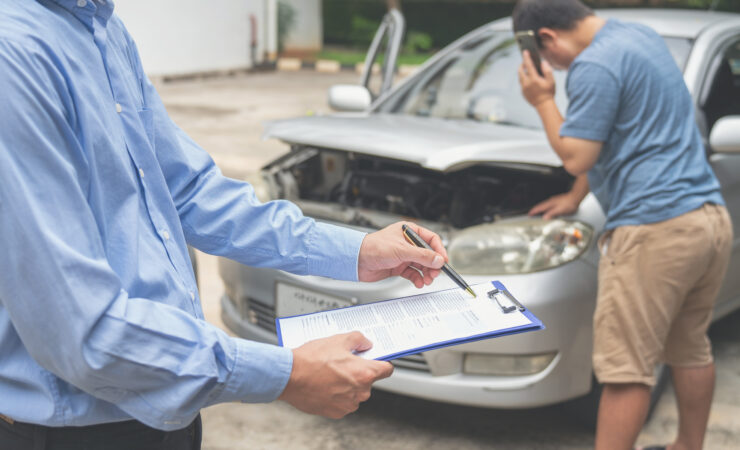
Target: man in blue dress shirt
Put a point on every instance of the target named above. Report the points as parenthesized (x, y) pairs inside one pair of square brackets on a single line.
[(101, 328)]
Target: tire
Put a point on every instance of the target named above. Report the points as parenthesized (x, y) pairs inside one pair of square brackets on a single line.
[(584, 410)]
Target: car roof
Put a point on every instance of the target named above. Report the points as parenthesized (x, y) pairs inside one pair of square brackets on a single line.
[(667, 22)]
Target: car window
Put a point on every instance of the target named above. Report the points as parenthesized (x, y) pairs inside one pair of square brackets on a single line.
[(723, 96), (479, 81)]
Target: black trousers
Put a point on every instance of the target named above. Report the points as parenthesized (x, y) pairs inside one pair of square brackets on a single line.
[(129, 435)]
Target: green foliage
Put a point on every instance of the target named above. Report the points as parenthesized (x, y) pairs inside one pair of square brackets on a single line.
[(286, 21), (362, 32), (442, 20), (338, 18), (719, 5), (417, 41), (724, 5), (352, 57), (446, 20)]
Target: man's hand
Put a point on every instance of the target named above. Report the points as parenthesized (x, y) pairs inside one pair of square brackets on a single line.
[(535, 88), (558, 205), (387, 253), (329, 380), (563, 204)]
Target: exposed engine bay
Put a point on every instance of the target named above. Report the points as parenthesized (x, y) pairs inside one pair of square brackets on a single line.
[(460, 198)]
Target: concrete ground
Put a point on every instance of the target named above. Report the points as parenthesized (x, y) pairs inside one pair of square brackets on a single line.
[(225, 115)]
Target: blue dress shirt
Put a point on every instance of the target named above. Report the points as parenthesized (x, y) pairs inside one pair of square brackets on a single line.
[(100, 193)]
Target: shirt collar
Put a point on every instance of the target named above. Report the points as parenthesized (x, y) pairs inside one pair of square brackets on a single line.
[(86, 10)]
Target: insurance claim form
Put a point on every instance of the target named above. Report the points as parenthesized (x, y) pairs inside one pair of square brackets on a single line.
[(408, 325)]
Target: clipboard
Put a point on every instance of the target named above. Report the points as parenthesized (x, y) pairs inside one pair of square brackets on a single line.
[(292, 331)]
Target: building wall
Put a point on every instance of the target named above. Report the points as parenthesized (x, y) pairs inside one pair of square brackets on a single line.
[(188, 36), (307, 32)]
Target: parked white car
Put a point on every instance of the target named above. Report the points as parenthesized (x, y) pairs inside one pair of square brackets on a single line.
[(457, 149)]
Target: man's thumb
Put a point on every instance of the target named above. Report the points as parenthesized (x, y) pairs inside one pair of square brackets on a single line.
[(357, 342), (427, 258)]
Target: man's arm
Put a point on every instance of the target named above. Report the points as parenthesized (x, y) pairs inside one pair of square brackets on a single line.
[(578, 155), (222, 216), (69, 308)]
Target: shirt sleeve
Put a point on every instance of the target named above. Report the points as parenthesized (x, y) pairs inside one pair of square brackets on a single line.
[(593, 102), (223, 216), (157, 363)]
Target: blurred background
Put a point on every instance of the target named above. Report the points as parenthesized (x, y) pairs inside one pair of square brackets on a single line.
[(232, 35), (349, 25)]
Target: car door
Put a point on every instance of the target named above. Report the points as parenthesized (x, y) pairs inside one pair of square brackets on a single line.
[(719, 98), (386, 45)]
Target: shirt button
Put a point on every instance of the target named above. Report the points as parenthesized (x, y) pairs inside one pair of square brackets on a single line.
[(192, 295), (81, 3), (141, 173), (118, 108), (166, 235)]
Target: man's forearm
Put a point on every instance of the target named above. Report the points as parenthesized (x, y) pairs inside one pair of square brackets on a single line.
[(580, 188), (578, 155), (552, 120)]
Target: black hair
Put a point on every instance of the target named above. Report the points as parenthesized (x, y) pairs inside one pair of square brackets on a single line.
[(555, 14)]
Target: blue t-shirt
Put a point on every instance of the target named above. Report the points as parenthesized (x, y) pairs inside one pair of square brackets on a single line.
[(626, 91)]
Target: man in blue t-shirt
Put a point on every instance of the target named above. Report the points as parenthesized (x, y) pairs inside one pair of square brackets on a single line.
[(630, 128)]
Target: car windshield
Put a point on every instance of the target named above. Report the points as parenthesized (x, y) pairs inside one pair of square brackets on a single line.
[(479, 81)]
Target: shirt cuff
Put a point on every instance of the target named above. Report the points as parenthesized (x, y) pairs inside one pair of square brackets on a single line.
[(260, 373), (333, 251)]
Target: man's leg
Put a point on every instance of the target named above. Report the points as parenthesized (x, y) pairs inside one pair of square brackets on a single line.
[(622, 412), (627, 338), (694, 390), (688, 350)]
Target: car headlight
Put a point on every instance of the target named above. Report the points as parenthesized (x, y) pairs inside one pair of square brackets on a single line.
[(519, 246)]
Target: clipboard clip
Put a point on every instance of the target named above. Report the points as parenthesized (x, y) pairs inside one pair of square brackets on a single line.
[(514, 303)]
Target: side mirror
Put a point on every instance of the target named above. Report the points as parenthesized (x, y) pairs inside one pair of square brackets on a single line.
[(349, 98), (725, 135)]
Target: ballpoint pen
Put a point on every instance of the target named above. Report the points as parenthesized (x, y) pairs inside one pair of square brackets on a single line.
[(415, 239)]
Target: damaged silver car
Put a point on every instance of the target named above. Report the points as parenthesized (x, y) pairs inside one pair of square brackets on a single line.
[(456, 148)]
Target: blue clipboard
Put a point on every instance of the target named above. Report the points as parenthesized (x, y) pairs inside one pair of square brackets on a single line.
[(536, 324)]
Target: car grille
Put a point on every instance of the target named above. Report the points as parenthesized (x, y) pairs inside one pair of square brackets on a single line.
[(413, 362), (263, 315), (260, 314)]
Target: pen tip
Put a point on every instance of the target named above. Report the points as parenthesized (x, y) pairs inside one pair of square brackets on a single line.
[(471, 292)]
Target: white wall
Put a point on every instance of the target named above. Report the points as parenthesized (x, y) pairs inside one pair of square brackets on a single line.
[(189, 36), (307, 32)]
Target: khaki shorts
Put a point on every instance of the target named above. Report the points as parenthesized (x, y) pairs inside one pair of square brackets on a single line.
[(657, 287)]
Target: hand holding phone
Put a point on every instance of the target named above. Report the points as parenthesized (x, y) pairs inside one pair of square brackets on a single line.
[(528, 41), (536, 89)]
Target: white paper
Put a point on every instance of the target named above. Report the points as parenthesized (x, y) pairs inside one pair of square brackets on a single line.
[(407, 323)]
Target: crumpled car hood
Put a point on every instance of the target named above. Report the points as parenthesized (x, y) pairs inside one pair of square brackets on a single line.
[(438, 144)]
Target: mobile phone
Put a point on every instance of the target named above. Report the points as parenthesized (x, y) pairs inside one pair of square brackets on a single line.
[(527, 41)]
